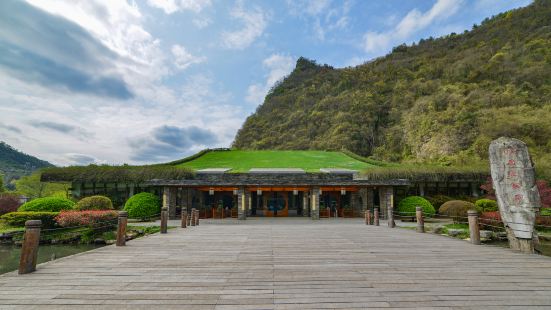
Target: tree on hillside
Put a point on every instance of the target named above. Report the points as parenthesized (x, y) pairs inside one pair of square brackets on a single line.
[(32, 187), (2, 188)]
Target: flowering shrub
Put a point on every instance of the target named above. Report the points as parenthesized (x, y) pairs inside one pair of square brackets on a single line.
[(8, 203), (92, 218)]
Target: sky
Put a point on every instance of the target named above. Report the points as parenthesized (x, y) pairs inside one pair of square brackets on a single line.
[(114, 81)]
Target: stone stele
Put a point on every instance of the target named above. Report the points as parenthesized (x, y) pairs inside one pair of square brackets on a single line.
[(514, 182)]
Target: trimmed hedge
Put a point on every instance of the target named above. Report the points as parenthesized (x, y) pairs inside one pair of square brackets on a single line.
[(457, 209), (143, 206), (486, 205), (19, 218), (94, 203), (47, 204), (407, 206)]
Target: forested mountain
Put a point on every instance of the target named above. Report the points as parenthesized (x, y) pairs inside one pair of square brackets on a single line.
[(14, 164), (440, 100)]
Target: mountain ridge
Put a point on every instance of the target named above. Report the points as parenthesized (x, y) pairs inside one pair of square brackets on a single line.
[(15, 164), (440, 100)]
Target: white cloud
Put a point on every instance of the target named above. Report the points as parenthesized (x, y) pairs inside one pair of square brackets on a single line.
[(173, 6), (278, 67), (183, 59), (201, 22), (254, 23), (324, 16), (414, 21), (110, 124)]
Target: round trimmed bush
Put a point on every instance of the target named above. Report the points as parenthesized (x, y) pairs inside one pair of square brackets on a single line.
[(438, 200), (457, 208), (47, 204), (94, 203), (143, 206), (486, 205), (407, 206)]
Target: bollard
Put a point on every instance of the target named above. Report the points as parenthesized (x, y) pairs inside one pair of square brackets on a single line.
[(370, 217), (420, 220), (390, 222), (164, 220), (29, 251), (366, 215), (376, 217), (474, 230), (193, 214), (197, 218), (184, 218), (121, 228)]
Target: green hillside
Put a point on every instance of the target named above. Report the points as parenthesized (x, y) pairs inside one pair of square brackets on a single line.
[(14, 164), (440, 100), (242, 161)]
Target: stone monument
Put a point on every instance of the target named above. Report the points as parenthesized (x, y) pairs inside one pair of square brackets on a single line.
[(513, 176)]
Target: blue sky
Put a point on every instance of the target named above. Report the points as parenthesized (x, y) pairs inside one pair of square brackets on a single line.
[(156, 80)]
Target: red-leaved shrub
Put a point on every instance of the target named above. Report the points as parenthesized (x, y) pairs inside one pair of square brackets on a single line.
[(91, 218), (8, 203), (543, 189), (490, 220)]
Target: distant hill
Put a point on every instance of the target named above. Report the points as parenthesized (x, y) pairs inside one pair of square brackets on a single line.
[(440, 100), (14, 164)]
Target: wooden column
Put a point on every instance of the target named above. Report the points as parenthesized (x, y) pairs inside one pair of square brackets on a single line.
[(370, 217), (29, 250), (164, 220), (184, 218), (474, 230), (121, 228), (376, 217), (193, 215), (172, 203), (420, 220), (242, 200)]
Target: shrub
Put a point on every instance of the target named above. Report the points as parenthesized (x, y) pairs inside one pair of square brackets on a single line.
[(143, 206), (545, 211), (407, 206), (47, 204), (19, 218), (8, 203), (457, 209), (486, 205), (94, 203), (438, 200), (491, 220), (92, 218)]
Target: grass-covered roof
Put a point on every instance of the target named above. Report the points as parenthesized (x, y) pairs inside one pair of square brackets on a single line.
[(244, 160)]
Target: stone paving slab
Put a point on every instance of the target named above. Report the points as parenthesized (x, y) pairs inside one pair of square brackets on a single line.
[(286, 264)]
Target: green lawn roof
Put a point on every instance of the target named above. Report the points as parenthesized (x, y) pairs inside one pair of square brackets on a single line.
[(242, 161)]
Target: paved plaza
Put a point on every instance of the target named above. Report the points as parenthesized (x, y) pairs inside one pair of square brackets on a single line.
[(291, 263)]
